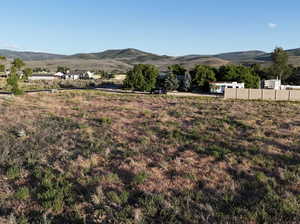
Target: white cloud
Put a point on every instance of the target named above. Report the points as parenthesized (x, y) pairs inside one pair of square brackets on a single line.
[(272, 25)]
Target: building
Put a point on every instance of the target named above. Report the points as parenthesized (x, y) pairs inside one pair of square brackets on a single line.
[(276, 85), (71, 76), (87, 75), (272, 84), (289, 87), (59, 74), (219, 87)]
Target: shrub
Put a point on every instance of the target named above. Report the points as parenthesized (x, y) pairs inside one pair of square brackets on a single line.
[(140, 178), (118, 198), (22, 193), (261, 177), (217, 152), (104, 120), (23, 220), (13, 172), (53, 190)]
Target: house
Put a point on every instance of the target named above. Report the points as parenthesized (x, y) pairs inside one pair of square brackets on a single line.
[(59, 74), (276, 85), (87, 75), (35, 77), (272, 84), (219, 87), (71, 76), (289, 87)]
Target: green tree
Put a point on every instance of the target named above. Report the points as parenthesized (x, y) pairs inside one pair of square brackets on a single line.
[(27, 73), (186, 82), (142, 77), (294, 79), (202, 76), (62, 69), (239, 73), (18, 64), (280, 64), (2, 67), (13, 82), (262, 72), (171, 82), (177, 69)]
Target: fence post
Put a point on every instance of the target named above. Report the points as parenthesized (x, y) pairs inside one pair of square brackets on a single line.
[(236, 96)]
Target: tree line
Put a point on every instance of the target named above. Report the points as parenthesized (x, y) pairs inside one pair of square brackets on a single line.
[(146, 77)]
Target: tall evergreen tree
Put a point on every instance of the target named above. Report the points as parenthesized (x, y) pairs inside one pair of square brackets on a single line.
[(186, 82), (13, 81), (171, 82), (280, 64)]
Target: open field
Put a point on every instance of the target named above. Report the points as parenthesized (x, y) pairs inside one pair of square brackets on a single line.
[(90, 157)]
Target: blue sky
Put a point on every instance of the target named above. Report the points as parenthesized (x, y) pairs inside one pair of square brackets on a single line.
[(173, 27)]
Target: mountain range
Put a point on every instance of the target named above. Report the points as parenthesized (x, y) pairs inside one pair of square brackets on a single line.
[(123, 59)]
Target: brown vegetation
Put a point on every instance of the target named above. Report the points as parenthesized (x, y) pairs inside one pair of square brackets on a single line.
[(92, 157)]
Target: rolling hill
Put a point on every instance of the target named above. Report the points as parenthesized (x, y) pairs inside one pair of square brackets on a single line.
[(240, 56), (29, 56), (115, 54), (123, 59)]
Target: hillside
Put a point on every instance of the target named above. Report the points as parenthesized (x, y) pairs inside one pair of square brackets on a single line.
[(240, 56), (123, 59), (90, 157), (29, 56), (108, 65), (115, 54), (294, 57)]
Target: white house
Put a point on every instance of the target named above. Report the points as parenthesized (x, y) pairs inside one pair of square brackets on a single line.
[(59, 74), (276, 84), (272, 84), (87, 75), (289, 87), (219, 87), (71, 76)]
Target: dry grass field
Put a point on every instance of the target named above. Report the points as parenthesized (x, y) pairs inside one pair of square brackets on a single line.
[(91, 157), (56, 84)]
